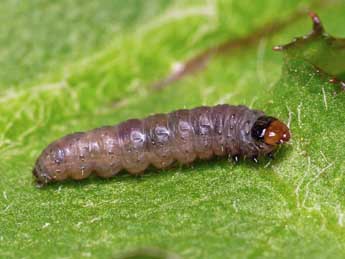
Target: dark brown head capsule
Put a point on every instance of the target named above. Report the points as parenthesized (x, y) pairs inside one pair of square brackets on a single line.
[(270, 130)]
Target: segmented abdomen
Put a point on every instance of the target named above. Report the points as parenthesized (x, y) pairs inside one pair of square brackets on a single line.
[(159, 140)]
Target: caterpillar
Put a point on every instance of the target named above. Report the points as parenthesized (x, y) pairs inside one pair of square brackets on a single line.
[(159, 140)]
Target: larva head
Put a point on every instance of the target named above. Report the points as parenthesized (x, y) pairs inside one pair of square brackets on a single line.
[(271, 131)]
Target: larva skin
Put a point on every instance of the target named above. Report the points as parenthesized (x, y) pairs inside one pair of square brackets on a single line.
[(158, 140)]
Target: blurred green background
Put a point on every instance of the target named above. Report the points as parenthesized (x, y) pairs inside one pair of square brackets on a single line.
[(73, 65)]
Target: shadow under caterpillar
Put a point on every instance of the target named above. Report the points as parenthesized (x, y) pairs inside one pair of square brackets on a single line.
[(159, 140)]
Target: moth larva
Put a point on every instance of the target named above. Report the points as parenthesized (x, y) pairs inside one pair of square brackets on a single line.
[(161, 139)]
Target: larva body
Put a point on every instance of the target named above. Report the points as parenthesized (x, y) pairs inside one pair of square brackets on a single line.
[(158, 140)]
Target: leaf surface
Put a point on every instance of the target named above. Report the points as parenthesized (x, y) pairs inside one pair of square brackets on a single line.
[(88, 74)]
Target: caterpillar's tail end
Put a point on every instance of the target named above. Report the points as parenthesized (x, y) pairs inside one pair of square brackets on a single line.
[(39, 179), (36, 181)]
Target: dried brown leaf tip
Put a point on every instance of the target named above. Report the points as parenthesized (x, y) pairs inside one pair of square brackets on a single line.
[(317, 25), (325, 52)]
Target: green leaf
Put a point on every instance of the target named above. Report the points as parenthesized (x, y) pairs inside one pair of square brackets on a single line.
[(73, 66)]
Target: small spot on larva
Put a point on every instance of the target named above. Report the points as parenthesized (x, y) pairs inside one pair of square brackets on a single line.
[(222, 148), (247, 127), (82, 157)]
